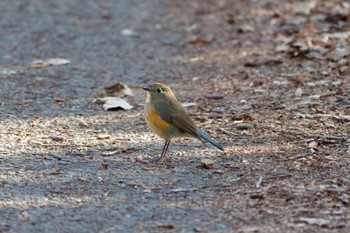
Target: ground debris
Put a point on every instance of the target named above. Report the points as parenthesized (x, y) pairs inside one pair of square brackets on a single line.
[(280, 73), (207, 163), (114, 103), (166, 226), (49, 62), (119, 87)]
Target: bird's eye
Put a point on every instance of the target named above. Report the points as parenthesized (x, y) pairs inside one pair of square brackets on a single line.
[(159, 90)]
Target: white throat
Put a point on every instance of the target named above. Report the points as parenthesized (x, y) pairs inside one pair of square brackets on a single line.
[(148, 98)]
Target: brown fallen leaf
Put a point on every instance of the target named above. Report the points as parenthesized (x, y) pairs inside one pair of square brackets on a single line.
[(58, 99), (200, 40), (114, 88), (207, 163), (119, 87), (57, 138), (243, 117), (168, 226), (245, 28), (103, 165), (313, 146)]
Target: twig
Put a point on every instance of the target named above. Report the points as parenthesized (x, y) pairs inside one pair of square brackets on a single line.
[(258, 183), (297, 157), (179, 190), (58, 157), (226, 131)]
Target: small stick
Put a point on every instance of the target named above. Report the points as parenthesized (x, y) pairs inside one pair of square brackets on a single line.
[(258, 183), (58, 157), (297, 157)]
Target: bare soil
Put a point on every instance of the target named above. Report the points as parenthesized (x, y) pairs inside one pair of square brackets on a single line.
[(279, 70)]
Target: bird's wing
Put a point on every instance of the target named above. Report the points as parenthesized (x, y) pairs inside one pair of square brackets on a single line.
[(175, 114)]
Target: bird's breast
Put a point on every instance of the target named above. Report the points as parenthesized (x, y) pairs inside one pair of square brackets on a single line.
[(156, 121)]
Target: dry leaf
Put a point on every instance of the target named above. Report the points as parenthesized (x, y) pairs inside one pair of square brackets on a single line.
[(103, 165), (114, 88), (207, 163), (119, 87), (188, 104), (313, 146), (114, 103), (245, 28), (298, 92), (57, 138), (58, 99), (49, 62), (315, 221), (103, 136), (167, 226)]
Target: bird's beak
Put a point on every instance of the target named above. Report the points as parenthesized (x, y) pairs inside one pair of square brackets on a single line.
[(145, 88)]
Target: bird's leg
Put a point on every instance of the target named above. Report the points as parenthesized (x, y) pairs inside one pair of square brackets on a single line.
[(165, 148)]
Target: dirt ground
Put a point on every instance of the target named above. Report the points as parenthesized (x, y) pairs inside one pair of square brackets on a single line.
[(267, 79)]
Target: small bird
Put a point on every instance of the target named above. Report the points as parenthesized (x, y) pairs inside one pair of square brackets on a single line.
[(166, 117)]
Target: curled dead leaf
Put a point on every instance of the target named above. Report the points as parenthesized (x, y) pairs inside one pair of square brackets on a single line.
[(207, 163), (313, 146), (119, 87), (103, 165), (114, 103)]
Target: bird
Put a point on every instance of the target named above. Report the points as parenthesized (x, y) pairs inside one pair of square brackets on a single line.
[(166, 116)]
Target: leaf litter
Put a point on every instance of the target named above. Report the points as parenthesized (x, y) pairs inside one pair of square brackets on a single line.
[(295, 149)]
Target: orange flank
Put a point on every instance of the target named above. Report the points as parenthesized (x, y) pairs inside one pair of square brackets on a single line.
[(155, 120)]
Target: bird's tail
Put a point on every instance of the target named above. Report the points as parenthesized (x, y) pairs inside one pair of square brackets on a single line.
[(209, 139)]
